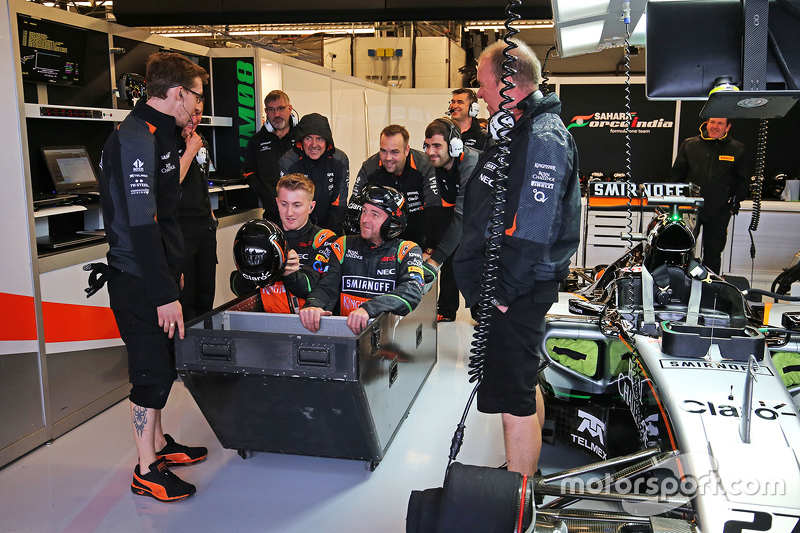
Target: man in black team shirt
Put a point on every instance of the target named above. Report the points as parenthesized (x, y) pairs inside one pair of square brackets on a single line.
[(198, 224), (453, 163), (265, 149), (463, 111), (139, 190), (398, 166)]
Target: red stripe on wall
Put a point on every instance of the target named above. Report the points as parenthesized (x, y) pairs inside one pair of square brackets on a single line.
[(17, 318), (71, 322)]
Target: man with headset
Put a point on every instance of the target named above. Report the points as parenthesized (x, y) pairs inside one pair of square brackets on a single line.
[(372, 272), (453, 164), (538, 234), (139, 190), (265, 149), (464, 111), (716, 163)]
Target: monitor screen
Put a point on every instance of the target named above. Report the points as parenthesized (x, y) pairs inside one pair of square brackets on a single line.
[(51, 52), (690, 44), (70, 168)]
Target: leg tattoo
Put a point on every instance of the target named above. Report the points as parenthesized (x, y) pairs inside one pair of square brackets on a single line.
[(139, 419)]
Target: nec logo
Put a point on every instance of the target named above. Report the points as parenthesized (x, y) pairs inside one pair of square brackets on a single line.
[(389, 258), (386, 272), (593, 425)]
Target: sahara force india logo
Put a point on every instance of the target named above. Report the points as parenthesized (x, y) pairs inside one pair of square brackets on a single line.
[(618, 122)]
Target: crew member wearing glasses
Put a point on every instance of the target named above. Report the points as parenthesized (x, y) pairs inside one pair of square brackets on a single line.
[(266, 147)]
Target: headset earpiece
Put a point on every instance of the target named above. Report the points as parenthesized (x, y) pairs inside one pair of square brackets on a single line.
[(474, 109), (455, 146)]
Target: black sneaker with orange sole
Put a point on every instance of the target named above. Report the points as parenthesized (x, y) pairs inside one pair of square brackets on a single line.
[(179, 455), (161, 484), (445, 318)]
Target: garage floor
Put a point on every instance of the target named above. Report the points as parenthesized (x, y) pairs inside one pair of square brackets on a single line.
[(81, 482)]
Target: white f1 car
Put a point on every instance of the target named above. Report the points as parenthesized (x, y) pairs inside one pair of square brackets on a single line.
[(664, 361), (685, 392)]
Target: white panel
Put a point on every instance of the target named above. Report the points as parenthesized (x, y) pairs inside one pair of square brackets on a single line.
[(309, 92), (15, 261), (378, 117), (225, 264), (270, 80), (416, 108), (349, 123)]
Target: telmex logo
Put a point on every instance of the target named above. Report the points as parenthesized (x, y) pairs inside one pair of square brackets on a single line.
[(617, 120)]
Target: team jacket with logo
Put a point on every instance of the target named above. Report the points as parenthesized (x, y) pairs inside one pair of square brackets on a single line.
[(717, 166), (331, 176), (541, 226), (139, 191), (419, 187), (307, 242), (261, 167), (388, 277)]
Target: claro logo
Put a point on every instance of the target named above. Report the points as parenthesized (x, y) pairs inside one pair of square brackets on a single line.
[(246, 97)]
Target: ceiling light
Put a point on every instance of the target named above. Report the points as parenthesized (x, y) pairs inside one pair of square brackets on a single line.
[(580, 38), (497, 25), (566, 10)]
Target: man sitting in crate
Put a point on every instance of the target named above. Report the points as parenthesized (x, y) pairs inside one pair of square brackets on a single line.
[(372, 272), (304, 239)]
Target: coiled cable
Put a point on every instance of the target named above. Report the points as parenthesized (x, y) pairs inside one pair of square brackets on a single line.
[(761, 155), (495, 227)]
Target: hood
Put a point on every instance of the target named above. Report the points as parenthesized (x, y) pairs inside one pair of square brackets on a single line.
[(315, 124)]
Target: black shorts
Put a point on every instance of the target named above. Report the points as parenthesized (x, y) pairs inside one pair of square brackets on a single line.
[(151, 353), (511, 362)]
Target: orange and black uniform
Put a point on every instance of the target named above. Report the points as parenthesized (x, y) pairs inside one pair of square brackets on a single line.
[(387, 277), (426, 218), (307, 241), (140, 190)]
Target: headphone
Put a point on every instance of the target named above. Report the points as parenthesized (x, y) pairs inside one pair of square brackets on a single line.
[(474, 107), (293, 120), (455, 146)]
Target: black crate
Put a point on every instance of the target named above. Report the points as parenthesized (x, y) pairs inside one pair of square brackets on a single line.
[(265, 383)]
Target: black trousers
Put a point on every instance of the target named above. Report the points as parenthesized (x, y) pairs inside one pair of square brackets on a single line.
[(449, 298), (199, 270), (715, 236)]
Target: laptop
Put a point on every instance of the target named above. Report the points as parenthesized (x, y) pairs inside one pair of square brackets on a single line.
[(57, 242), (71, 169)]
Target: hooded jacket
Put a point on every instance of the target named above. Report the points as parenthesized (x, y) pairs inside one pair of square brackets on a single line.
[(261, 166), (330, 172), (541, 228), (718, 167)]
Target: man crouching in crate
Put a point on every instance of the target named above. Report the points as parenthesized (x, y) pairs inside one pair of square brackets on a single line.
[(372, 272)]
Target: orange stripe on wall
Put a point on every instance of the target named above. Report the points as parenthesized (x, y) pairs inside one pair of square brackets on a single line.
[(17, 318), (70, 322)]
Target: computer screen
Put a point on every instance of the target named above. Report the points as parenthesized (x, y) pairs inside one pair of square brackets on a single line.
[(690, 44), (51, 52), (70, 168)]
